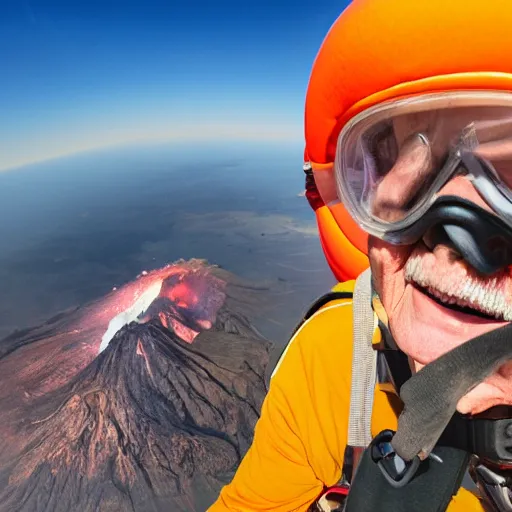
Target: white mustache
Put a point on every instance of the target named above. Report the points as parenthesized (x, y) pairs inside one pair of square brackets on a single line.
[(482, 295)]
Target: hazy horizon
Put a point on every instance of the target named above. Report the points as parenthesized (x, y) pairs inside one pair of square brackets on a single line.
[(79, 226)]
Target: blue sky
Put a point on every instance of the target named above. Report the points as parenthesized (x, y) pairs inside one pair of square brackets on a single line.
[(81, 74)]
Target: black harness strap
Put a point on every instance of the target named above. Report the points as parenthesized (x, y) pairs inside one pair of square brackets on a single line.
[(430, 396)]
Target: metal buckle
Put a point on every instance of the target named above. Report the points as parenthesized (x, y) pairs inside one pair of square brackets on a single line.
[(495, 487), (395, 470)]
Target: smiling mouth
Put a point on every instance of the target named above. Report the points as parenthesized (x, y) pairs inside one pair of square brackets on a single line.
[(456, 286), (453, 303)]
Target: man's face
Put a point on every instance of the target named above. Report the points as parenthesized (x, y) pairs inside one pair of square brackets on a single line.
[(418, 287)]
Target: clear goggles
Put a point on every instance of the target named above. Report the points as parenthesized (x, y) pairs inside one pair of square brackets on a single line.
[(394, 160)]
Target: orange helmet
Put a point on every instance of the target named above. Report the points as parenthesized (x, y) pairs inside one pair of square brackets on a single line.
[(379, 50)]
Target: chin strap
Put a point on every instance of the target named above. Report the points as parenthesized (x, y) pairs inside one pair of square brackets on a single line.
[(430, 396)]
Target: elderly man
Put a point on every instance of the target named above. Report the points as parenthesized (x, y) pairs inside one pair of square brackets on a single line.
[(385, 399)]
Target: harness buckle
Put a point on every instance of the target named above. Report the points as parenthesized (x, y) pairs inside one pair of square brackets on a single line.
[(495, 487), (395, 470)]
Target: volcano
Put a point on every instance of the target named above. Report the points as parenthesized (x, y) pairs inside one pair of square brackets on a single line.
[(143, 400)]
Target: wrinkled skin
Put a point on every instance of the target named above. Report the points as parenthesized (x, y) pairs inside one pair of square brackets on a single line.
[(423, 328), (157, 421)]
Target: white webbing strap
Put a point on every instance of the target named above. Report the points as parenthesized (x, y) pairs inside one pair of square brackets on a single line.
[(364, 364)]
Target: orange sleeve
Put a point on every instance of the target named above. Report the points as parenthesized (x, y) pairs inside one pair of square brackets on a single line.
[(301, 435)]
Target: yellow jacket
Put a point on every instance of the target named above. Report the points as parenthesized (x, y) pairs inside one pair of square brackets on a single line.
[(301, 435)]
